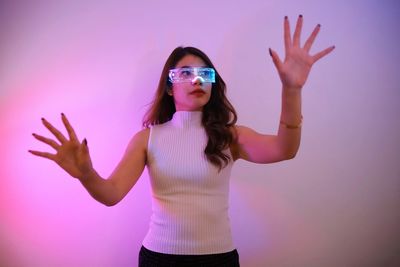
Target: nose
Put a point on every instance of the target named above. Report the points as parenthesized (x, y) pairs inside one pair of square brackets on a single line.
[(197, 80)]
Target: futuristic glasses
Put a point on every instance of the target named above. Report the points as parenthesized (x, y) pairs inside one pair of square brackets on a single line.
[(191, 74)]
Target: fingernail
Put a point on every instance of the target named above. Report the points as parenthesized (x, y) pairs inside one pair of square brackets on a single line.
[(62, 114), (319, 25), (34, 134), (42, 119), (300, 16), (85, 141), (270, 52), (285, 17)]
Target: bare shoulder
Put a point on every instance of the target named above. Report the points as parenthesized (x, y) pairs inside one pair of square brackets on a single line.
[(253, 146), (140, 140), (241, 132), (143, 134), (244, 129), (234, 147)]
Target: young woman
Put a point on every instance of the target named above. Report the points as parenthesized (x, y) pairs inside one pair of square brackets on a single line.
[(189, 143)]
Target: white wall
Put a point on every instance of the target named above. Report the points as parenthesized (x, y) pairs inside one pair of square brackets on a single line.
[(335, 204)]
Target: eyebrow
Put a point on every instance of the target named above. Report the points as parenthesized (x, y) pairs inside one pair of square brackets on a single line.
[(192, 67)]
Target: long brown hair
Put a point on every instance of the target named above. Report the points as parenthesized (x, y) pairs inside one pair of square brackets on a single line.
[(218, 118)]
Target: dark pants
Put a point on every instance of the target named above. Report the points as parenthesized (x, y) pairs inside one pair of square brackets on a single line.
[(148, 258)]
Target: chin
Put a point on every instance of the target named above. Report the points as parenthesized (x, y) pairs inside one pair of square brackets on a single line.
[(196, 105)]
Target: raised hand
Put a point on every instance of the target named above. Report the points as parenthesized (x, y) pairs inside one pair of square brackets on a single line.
[(71, 155), (295, 68)]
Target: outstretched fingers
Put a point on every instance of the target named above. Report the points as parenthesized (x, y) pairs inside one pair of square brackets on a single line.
[(275, 58), (286, 35), (43, 154), (60, 137), (70, 130), (323, 53), (84, 147), (48, 141), (297, 31), (311, 39)]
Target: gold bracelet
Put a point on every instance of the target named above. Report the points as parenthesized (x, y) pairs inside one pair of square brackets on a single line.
[(289, 126)]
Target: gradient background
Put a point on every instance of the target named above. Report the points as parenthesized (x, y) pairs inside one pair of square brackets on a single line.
[(335, 204)]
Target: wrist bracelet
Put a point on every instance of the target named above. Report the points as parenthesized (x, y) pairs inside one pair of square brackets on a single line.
[(290, 126)]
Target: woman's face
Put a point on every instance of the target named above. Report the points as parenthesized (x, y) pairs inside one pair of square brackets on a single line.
[(190, 96)]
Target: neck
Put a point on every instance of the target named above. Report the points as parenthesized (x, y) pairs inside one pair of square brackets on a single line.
[(186, 119)]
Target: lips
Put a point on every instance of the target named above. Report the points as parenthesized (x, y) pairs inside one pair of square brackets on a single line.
[(197, 91)]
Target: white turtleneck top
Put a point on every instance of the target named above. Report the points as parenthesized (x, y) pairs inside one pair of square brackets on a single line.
[(189, 196)]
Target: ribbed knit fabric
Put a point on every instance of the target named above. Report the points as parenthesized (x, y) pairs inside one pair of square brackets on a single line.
[(189, 195)]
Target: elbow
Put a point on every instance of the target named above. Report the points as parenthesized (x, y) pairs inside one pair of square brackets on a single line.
[(110, 203), (290, 154), (113, 196), (288, 150)]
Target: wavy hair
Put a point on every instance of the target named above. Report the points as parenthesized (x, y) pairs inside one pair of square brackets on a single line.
[(219, 116)]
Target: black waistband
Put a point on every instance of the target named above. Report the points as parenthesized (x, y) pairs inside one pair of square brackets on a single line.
[(148, 258)]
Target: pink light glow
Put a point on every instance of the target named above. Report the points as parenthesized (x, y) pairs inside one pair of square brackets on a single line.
[(335, 204)]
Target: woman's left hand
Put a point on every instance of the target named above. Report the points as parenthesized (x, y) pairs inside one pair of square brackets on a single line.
[(294, 70)]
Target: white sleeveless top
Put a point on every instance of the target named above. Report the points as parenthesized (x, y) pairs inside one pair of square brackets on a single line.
[(190, 197)]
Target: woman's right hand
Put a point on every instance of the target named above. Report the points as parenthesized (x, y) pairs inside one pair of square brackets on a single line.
[(71, 155)]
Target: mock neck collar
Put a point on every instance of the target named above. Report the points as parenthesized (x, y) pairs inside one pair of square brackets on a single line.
[(185, 119)]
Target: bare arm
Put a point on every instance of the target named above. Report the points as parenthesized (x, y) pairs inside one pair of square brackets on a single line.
[(293, 72), (124, 177), (73, 156)]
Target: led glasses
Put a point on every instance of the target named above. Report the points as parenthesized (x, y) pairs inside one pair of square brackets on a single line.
[(192, 74)]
